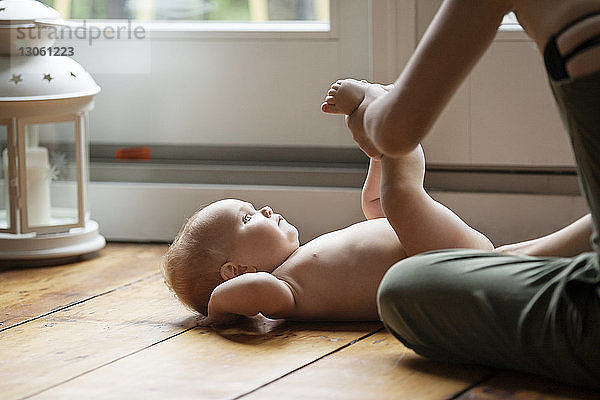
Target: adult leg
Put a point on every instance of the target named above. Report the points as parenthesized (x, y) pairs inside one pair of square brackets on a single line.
[(537, 315)]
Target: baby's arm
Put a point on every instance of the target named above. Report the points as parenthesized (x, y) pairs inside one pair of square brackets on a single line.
[(371, 193), (249, 294)]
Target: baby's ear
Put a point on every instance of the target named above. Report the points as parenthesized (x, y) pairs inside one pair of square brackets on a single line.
[(230, 270)]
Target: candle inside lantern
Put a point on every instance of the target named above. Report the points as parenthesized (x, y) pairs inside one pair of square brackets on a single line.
[(5, 222), (38, 185)]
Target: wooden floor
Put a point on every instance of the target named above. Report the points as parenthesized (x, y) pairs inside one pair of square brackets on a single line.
[(107, 328)]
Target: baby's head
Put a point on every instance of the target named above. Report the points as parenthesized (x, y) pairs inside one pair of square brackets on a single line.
[(223, 240)]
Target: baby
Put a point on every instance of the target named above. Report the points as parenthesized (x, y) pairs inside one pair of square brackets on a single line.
[(231, 259)]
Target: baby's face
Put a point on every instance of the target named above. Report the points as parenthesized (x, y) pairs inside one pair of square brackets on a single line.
[(259, 238)]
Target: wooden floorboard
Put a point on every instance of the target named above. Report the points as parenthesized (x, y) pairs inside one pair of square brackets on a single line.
[(512, 386), (204, 364), (27, 293), (378, 367), (107, 328), (61, 345)]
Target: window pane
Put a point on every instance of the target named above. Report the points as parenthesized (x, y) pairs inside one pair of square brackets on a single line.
[(194, 10), (510, 19), (52, 174)]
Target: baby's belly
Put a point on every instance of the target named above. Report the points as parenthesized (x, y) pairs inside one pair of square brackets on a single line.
[(339, 301)]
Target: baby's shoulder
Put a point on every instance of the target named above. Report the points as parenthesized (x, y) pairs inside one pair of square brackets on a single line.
[(301, 262), (300, 256)]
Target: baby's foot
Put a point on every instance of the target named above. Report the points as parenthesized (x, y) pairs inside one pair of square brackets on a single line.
[(355, 120), (344, 96), (351, 97)]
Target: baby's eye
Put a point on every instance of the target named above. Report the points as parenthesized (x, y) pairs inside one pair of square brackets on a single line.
[(246, 218)]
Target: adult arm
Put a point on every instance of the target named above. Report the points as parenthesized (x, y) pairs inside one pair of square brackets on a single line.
[(248, 295), (567, 242), (456, 39), (371, 192)]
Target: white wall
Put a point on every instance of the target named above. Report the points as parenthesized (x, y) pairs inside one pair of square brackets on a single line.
[(155, 212), (223, 88), (504, 114)]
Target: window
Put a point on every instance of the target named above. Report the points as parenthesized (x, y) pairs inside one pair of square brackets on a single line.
[(510, 23), (194, 10)]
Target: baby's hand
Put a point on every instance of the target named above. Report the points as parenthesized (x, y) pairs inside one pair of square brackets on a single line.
[(217, 319)]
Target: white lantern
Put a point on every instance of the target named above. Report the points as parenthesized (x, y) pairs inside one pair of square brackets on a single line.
[(44, 105)]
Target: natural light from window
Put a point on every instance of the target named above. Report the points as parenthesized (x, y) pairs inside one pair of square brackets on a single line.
[(194, 10), (510, 23)]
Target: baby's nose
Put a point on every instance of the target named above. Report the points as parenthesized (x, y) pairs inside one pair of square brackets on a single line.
[(267, 211)]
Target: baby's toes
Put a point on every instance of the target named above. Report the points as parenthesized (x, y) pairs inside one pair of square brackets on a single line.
[(333, 90), (330, 108)]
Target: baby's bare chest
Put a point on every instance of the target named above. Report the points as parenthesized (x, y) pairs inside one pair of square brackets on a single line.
[(332, 281)]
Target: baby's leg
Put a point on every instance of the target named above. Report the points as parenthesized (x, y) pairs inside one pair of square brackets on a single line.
[(421, 223)]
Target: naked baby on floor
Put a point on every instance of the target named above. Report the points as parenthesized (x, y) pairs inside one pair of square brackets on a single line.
[(231, 259)]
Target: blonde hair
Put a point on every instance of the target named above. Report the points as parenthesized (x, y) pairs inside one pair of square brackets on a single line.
[(191, 265)]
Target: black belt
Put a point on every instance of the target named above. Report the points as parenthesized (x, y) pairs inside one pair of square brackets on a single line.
[(555, 62)]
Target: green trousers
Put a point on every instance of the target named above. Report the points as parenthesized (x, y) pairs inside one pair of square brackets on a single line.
[(531, 314)]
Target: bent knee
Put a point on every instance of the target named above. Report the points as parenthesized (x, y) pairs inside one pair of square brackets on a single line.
[(416, 279), (400, 277), (400, 289), (402, 284), (415, 289), (413, 272)]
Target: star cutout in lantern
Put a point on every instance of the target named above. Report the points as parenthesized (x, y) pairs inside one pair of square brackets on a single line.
[(48, 77), (73, 75), (16, 79)]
